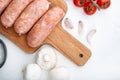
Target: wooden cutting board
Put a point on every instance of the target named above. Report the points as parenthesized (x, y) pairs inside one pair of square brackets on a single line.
[(59, 39)]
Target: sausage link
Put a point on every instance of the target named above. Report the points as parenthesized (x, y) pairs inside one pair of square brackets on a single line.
[(13, 11), (3, 4), (30, 15), (44, 26)]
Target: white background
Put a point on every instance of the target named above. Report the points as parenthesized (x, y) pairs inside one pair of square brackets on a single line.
[(104, 63)]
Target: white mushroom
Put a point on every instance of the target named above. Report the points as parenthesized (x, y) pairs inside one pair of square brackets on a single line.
[(46, 58), (33, 72), (44, 75), (59, 73)]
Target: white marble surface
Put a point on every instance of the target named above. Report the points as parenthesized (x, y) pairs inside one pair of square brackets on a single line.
[(104, 63)]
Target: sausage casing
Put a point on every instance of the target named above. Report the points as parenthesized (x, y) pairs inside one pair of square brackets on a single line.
[(30, 15), (44, 26), (13, 11), (3, 4)]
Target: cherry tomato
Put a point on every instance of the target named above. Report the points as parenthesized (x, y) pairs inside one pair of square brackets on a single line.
[(79, 3), (89, 8), (104, 3)]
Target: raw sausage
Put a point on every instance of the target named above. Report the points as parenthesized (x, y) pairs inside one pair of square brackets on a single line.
[(44, 26), (3, 4), (30, 15), (13, 11)]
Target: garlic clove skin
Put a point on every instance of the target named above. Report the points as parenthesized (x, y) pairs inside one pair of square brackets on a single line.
[(90, 35), (46, 58), (32, 72), (59, 73), (80, 27), (68, 23)]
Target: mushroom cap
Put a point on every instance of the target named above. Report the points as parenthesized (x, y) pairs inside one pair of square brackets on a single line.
[(46, 57), (59, 73), (33, 72)]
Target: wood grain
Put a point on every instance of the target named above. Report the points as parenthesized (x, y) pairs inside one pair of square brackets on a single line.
[(59, 39), (68, 46)]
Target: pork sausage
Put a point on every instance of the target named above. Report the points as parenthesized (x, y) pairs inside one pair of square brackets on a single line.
[(44, 26), (30, 15), (3, 4), (13, 11)]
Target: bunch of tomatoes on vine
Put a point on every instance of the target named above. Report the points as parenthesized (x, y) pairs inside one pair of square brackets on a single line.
[(91, 6)]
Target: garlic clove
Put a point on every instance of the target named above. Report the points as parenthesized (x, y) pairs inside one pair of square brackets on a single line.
[(68, 23), (80, 27), (90, 35)]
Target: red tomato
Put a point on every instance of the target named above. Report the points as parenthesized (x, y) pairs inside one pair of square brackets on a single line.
[(89, 8), (104, 3), (79, 3)]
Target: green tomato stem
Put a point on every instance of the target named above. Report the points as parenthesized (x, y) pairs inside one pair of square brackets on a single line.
[(96, 5)]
